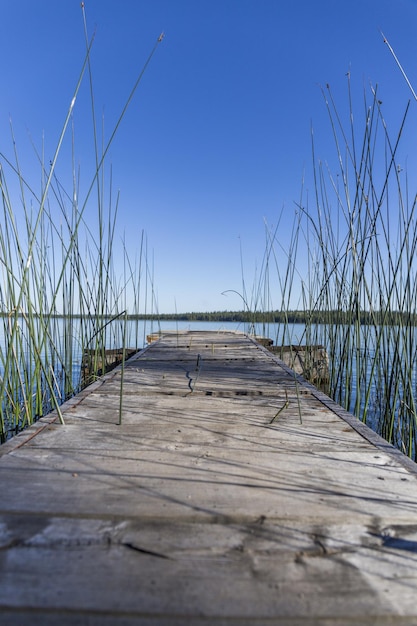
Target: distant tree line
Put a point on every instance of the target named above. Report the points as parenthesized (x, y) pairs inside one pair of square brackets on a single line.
[(275, 317), (287, 317)]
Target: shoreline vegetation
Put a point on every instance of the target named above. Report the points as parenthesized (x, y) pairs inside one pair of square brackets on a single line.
[(391, 318), (284, 317)]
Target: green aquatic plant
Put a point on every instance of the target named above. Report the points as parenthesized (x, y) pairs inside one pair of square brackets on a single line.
[(359, 238), (60, 292)]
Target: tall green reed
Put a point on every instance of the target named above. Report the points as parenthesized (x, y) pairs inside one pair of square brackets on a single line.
[(357, 275), (61, 293)]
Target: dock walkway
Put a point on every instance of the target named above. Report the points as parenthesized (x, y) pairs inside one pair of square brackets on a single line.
[(231, 493)]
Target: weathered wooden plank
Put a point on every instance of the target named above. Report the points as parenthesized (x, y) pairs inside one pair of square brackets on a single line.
[(232, 493)]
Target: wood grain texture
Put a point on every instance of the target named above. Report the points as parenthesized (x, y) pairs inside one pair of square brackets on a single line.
[(233, 492)]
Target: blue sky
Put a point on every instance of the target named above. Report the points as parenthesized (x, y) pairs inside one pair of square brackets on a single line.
[(217, 138)]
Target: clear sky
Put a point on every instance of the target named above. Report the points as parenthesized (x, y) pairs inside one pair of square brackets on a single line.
[(217, 138)]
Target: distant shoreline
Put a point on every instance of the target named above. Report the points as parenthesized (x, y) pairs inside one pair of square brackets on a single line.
[(265, 317)]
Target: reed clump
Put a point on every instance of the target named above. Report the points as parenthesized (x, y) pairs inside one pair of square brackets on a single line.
[(61, 292), (358, 239)]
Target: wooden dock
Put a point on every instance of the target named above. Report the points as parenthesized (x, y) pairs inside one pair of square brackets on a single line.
[(231, 493)]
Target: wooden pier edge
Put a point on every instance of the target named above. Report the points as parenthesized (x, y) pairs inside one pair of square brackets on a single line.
[(365, 431)]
